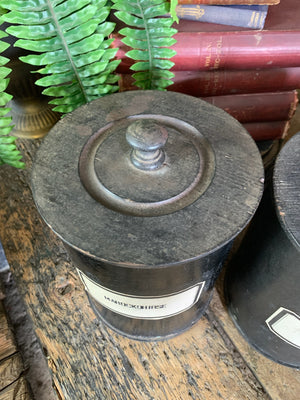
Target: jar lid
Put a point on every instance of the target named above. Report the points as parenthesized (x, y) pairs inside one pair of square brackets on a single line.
[(146, 165), (287, 188), (147, 178)]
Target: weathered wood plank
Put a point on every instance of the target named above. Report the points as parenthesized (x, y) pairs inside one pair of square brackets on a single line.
[(34, 366), (7, 344), (12, 385), (10, 370), (16, 391)]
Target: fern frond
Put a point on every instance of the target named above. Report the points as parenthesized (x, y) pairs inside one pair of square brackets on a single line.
[(150, 37), (68, 39), (9, 154), (173, 5)]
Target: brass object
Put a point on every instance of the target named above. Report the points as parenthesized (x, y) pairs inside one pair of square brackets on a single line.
[(32, 115)]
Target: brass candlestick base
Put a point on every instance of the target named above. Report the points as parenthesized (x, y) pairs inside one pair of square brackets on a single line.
[(32, 117)]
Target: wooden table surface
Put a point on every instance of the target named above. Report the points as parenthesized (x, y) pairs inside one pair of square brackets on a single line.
[(88, 361), (13, 385)]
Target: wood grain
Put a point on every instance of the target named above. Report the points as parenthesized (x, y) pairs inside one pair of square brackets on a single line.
[(13, 385), (16, 391), (7, 344), (88, 360), (10, 370)]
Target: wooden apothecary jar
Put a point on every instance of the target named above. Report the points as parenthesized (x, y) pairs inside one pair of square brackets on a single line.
[(147, 190)]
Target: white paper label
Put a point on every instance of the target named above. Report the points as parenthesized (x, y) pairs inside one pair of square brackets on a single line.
[(285, 324), (143, 307)]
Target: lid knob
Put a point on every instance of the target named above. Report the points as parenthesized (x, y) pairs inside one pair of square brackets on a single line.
[(147, 138)]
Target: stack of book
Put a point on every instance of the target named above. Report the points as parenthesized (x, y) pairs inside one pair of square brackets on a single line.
[(251, 74), (242, 13)]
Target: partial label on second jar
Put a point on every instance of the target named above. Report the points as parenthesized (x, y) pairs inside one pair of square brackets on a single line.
[(143, 307), (285, 324)]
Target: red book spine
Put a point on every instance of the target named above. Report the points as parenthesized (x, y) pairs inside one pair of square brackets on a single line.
[(228, 2), (257, 107), (227, 50), (267, 130), (246, 108), (221, 82)]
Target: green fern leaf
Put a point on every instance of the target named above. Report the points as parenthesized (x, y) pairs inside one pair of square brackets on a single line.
[(173, 5), (150, 36), (9, 154), (69, 41), (157, 63)]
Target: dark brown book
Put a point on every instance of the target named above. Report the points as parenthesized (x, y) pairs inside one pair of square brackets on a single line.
[(256, 107), (222, 82), (248, 107), (267, 130)]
